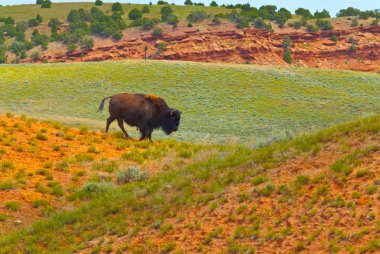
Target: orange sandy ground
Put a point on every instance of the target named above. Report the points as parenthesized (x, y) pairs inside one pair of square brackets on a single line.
[(29, 155), (286, 225)]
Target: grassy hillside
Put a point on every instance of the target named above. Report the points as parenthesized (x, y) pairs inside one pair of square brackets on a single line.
[(42, 163), (60, 10), (315, 193), (221, 103)]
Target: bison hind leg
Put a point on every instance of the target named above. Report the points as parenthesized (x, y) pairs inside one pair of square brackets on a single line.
[(121, 125), (109, 121)]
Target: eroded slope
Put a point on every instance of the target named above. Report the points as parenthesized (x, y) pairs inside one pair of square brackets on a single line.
[(43, 163), (315, 193)]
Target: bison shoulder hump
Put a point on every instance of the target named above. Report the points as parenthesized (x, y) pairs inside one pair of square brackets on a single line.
[(156, 101)]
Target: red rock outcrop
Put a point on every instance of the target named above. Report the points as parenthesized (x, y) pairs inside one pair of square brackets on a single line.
[(245, 45)]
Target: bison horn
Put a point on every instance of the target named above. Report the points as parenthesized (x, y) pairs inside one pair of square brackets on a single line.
[(171, 112)]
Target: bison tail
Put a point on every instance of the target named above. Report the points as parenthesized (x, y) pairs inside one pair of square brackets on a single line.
[(102, 104)]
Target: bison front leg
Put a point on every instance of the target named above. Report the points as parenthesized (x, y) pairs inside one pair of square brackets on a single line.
[(150, 134), (144, 130)]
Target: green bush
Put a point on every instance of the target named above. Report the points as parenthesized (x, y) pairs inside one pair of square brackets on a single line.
[(134, 14), (12, 205), (172, 20), (259, 179), (267, 190), (334, 38), (117, 35), (39, 18), (353, 44), (261, 24), (287, 57), (46, 4), (56, 189), (98, 2), (92, 189), (3, 56), (72, 47), (8, 21), (157, 31), (311, 28), (101, 24), (161, 46), (242, 22), (41, 136), (33, 23), (303, 12), (145, 9), (324, 24), (145, 23), (10, 29), (161, 2), (322, 15), (371, 189), (165, 11), (354, 23), (71, 37), (350, 11), (40, 39), (87, 43), (20, 35), (117, 7), (300, 181), (287, 42), (213, 4), (17, 47), (54, 22), (3, 217), (197, 16), (23, 54), (2, 38), (130, 174), (35, 56), (282, 16), (297, 25), (216, 21)]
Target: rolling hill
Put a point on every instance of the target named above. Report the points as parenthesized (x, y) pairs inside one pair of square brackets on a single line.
[(314, 193), (228, 104), (281, 158)]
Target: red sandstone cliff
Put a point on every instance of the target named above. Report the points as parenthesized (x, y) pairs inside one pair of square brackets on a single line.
[(243, 45)]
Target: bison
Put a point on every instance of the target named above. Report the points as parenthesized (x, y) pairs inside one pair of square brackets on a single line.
[(144, 111)]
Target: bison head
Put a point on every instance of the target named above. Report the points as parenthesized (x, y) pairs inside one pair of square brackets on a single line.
[(171, 120)]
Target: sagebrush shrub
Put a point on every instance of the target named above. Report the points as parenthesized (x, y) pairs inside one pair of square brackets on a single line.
[(130, 174)]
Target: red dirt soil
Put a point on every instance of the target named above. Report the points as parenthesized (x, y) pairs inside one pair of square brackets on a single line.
[(225, 43), (330, 213), (34, 155)]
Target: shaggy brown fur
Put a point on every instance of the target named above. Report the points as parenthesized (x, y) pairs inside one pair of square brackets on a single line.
[(144, 111)]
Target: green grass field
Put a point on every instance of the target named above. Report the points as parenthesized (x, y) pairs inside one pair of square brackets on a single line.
[(233, 104), (60, 10)]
